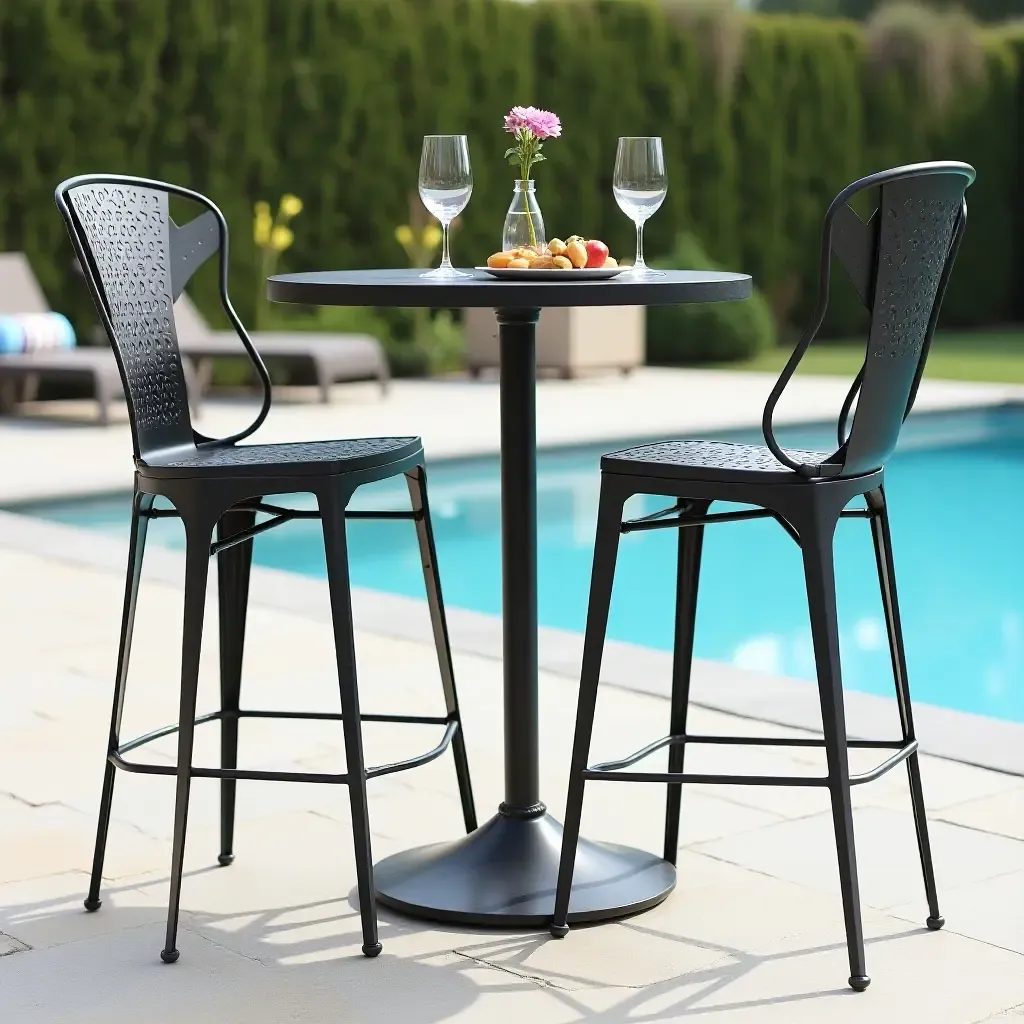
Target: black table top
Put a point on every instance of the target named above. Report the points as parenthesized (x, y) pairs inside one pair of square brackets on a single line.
[(384, 288)]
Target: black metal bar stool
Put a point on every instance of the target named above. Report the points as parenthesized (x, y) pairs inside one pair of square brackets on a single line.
[(137, 261), (899, 261)]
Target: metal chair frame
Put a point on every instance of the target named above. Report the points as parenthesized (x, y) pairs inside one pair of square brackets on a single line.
[(899, 261), (136, 261)]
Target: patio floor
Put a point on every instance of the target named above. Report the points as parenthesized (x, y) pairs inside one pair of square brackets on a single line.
[(753, 932)]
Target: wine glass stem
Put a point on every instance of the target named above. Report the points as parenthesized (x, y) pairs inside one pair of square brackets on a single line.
[(639, 261), (445, 258)]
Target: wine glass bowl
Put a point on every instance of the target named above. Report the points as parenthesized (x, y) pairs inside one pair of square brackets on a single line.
[(640, 185), (445, 185)]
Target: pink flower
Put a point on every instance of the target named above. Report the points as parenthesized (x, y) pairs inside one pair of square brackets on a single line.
[(542, 123)]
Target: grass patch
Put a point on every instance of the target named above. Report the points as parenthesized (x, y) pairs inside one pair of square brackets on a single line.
[(996, 356)]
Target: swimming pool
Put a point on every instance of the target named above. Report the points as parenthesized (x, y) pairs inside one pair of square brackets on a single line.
[(959, 562)]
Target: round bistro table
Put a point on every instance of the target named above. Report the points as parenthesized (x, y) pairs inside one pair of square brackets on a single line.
[(503, 874)]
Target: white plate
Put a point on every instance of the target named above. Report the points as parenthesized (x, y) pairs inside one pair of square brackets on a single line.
[(594, 274)]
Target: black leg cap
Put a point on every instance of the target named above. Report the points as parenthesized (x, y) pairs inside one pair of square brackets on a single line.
[(169, 956), (225, 859), (372, 949), (93, 905), (935, 923), (559, 931), (859, 982)]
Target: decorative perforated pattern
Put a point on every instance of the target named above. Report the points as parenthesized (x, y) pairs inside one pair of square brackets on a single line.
[(278, 454), (126, 230), (916, 235), (717, 455)]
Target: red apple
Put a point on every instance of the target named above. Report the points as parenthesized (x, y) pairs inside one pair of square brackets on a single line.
[(597, 253)]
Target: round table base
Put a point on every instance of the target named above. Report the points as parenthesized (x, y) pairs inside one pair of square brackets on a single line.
[(503, 875)]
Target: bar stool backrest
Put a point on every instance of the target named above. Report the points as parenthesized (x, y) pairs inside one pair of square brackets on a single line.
[(899, 262), (137, 261)]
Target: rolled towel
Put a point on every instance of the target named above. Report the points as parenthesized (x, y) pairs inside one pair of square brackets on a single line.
[(34, 332)]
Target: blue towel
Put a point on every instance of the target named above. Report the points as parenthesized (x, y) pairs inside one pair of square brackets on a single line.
[(34, 332)]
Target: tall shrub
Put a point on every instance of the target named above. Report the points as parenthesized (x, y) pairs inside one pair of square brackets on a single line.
[(329, 99)]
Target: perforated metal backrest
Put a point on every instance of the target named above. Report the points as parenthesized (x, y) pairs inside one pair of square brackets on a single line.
[(899, 262), (137, 261)]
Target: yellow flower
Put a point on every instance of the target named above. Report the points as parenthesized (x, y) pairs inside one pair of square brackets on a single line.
[(262, 225), (404, 236), (291, 205), (281, 238), (431, 237)]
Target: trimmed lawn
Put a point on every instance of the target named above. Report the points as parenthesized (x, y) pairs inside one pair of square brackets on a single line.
[(955, 355)]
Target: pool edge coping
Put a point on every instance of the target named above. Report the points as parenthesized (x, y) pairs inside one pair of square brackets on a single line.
[(961, 736), (938, 397)]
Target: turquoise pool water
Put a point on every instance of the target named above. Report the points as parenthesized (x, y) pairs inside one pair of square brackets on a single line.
[(955, 489)]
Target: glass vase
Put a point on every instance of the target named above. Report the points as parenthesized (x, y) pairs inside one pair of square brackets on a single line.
[(524, 223)]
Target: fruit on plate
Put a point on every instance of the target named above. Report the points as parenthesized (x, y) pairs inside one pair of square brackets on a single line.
[(576, 252), (597, 254)]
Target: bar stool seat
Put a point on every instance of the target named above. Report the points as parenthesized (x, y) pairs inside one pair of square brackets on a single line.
[(708, 460), (301, 458)]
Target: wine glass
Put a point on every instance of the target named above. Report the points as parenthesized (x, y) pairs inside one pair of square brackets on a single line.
[(640, 185), (446, 183)]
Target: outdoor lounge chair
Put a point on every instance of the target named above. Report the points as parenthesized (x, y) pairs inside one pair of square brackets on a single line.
[(217, 487), (331, 357), (899, 262), (22, 373)]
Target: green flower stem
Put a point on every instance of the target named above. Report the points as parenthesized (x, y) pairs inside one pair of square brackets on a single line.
[(525, 170)]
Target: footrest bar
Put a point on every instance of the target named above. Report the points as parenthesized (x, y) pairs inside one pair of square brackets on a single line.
[(167, 730), (336, 716), (611, 771), (313, 716), (229, 773), (713, 780), (875, 773), (415, 762), (116, 758), (751, 741)]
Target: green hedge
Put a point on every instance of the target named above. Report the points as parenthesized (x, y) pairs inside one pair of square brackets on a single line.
[(247, 99)]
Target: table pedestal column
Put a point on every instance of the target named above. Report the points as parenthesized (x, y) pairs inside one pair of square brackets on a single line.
[(504, 873)]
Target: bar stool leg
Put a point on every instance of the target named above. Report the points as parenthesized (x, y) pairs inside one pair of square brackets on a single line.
[(417, 481), (691, 539), (197, 567), (887, 582), (141, 505), (816, 541), (606, 546), (332, 510), (233, 567)]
